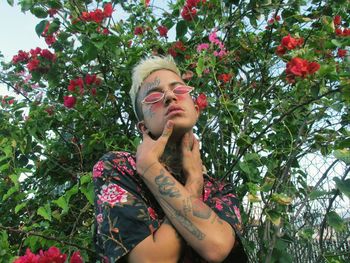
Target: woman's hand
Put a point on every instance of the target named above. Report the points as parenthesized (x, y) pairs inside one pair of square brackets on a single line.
[(192, 164), (149, 151)]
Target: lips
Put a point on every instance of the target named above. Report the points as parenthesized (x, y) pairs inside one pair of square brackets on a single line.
[(173, 108)]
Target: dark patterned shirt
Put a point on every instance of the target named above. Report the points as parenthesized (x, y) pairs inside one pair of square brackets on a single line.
[(127, 212)]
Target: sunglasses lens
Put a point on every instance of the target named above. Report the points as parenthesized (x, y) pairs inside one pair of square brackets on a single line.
[(182, 89), (153, 97)]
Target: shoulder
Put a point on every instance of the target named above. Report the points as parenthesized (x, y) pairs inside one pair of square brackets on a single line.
[(123, 162)]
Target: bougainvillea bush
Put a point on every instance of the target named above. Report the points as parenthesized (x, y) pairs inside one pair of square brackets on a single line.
[(271, 79)]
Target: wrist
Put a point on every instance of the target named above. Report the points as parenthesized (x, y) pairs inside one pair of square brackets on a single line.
[(143, 168)]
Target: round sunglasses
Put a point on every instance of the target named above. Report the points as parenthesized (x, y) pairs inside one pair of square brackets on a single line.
[(157, 95)]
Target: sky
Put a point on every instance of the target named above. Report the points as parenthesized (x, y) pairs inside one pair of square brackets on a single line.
[(17, 32)]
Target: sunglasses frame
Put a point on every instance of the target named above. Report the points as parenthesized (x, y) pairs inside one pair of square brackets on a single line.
[(162, 97)]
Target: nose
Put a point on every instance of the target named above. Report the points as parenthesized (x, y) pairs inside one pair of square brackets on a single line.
[(169, 96)]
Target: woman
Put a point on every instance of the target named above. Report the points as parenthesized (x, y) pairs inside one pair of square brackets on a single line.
[(160, 205)]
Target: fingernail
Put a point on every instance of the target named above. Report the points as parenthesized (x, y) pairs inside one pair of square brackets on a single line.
[(169, 124)]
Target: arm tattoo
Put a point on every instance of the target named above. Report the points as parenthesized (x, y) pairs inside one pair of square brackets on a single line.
[(200, 209), (187, 224), (166, 185)]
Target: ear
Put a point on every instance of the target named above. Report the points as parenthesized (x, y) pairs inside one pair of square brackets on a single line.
[(141, 126), (196, 107)]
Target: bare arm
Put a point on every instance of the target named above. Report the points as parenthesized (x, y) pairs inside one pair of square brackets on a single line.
[(211, 237)]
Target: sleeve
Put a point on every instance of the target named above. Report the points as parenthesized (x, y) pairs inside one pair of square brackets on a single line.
[(226, 206), (122, 217)]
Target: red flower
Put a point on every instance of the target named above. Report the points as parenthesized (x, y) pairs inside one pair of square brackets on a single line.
[(291, 43), (85, 16), (280, 50), (45, 53), (313, 67), (93, 91), (90, 79), (50, 39), (105, 31), (346, 32), (33, 64), (337, 20), (52, 12), (147, 2), (339, 32), (278, 18), (179, 45), (73, 83), (69, 101), (297, 67), (138, 30), (192, 3), (97, 16), (35, 52), (108, 10), (53, 254), (76, 258), (201, 101), (188, 13), (225, 77), (271, 21), (341, 53), (172, 51), (20, 57), (29, 257), (163, 31)]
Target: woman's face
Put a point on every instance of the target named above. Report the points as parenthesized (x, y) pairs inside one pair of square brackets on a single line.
[(178, 108)]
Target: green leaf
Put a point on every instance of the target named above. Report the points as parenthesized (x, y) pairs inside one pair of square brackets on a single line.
[(45, 212), (12, 190), (88, 191), (282, 199), (343, 155), (274, 217), (39, 12), (54, 26), (316, 194), (335, 221), (10, 2), (19, 207), (62, 203), (86, 178), (39, 28), (181, 29), (54, 4), (26, 5), (343, 186), (336, 43), (200, 66)]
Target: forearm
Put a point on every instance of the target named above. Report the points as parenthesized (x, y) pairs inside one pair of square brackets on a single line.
[(164, 246), (194, 220)]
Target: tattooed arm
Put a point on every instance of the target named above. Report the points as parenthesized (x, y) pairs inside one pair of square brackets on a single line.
[(202, 229)]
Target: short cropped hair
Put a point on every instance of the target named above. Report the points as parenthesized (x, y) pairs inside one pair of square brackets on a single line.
[(142, 70)]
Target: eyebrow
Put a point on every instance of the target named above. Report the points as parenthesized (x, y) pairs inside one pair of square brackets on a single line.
[(159, 88)]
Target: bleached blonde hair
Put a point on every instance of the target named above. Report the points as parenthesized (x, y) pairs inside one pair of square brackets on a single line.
[(142, 70)]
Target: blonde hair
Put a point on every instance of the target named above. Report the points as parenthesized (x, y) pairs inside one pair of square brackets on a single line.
[(142, 70)]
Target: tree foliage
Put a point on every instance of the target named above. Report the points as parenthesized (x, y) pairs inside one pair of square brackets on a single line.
[(275, 73)]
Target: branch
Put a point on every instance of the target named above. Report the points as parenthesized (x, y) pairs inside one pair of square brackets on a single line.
[(31, 233)]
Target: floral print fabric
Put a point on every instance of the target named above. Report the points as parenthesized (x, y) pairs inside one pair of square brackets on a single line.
[(126, 211)]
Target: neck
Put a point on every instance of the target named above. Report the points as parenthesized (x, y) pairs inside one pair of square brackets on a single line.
[(172, 157)]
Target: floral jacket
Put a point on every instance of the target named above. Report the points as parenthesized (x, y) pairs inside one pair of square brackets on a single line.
[(126, 211)]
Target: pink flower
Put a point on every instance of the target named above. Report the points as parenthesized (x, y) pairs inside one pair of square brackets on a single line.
[(213, 38), (99, 218), (152, 213), (20, 57), (113, 194), (50, 39), (218, 204), (98, 169), (238, 213), (202, 46), (69, 101)]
